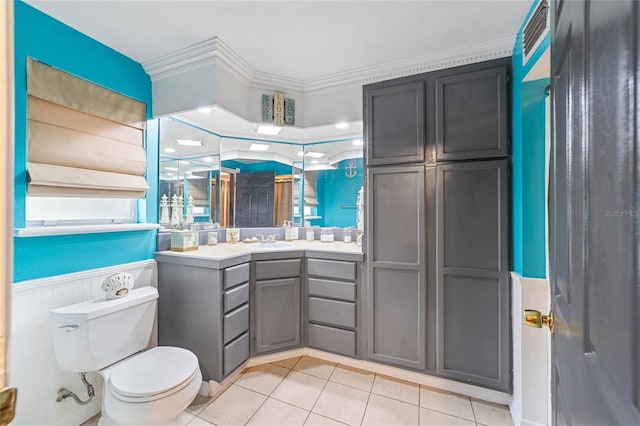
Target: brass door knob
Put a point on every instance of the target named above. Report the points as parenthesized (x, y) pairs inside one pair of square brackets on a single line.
[(534, 318)]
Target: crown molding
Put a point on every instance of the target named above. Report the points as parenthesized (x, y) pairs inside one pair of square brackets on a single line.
[(215, 52), (478, 52)]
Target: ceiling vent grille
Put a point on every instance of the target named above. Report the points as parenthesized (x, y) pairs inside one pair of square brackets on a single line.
[(536, 29)]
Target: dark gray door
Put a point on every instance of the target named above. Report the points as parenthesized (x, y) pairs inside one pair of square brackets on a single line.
[(471, 114), (277, 318), (396, 283), (594, 221), (395, 123), (254, 199), (472, 235)]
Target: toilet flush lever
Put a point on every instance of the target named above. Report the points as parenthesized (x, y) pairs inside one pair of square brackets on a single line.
[(70, 327)]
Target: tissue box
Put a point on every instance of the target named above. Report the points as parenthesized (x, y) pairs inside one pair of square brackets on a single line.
[(184, 240)]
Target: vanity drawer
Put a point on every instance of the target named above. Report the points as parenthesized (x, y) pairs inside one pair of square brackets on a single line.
[(236, 275), (332, 269), (332, 312), (332, 289), (236, 297), (269, 269), (235, 353), (236, 323), (332, 339)]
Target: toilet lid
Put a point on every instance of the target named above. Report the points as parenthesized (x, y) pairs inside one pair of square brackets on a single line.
[(153, 372)]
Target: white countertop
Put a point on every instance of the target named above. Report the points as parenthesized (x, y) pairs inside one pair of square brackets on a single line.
[(224, 251)]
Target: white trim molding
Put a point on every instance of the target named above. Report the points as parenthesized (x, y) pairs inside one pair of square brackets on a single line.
[(46, 231), (472, 391), (215, 51)]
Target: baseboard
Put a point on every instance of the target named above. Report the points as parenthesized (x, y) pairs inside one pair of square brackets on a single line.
[(215, 388)]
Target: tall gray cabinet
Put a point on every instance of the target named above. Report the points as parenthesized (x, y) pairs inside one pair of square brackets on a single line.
[(437, 288)]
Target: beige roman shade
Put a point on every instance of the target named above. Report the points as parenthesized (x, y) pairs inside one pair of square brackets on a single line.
[(82, 140)]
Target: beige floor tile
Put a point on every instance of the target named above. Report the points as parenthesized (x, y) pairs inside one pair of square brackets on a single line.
[(198, 421), (446, 402), (396, 389), (185, 418), (262, 378), (315, 367), (383, 411), (198, 404), (491, 414), (318, 420), (288, 363), (277, 413), (353, 377), (435, 418), (342, 403), (301, 390), (235, 406)]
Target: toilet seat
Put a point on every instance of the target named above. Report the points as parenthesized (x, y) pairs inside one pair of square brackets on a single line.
[(154, 374)]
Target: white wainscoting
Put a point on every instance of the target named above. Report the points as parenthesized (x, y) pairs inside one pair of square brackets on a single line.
[(531, 386), (33, 367)]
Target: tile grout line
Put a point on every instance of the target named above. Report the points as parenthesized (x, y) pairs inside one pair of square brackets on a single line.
[(473, 411), (364, 413)]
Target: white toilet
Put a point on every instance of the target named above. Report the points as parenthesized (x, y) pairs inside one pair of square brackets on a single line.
[(141, 387)]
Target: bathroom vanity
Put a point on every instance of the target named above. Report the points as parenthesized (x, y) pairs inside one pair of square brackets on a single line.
[(232, 301)]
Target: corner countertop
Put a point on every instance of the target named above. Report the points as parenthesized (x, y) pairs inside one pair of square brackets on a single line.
[(224, 255)]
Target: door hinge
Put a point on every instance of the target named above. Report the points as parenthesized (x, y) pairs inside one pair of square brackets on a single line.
[(8, 398)]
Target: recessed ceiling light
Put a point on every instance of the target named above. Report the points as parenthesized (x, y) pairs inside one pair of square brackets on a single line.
[(315, 162), (268, 130), (258, 147), (208, 159), (358, 142), (204, 110), (314, 154), (342, 125), (170, 168), (169, 150), (189, 142)]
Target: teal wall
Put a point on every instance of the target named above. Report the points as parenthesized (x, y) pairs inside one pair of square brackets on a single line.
[(528, 157), (335, 189), (41, 37), (262, 166)]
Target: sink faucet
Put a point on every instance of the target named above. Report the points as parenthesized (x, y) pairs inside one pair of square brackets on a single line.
[(268, 239)]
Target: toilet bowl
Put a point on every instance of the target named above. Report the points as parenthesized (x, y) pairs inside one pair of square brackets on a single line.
[(142, 387), (151, 388)]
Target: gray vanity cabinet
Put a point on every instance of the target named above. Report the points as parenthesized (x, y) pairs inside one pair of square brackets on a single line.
[(277, 316), (205, 310), (332, 308), (396, 301)]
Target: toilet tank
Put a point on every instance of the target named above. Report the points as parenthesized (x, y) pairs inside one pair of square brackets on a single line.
[(89, 336)]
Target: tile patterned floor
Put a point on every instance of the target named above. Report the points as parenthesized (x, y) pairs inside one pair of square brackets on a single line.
[(312, 392)]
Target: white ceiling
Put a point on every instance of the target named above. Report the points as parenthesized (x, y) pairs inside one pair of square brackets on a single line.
[(300, 40)]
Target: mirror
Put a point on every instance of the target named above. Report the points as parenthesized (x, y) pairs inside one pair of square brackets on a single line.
[(333, 175), (249, 182), (189, 166), (262, 172)]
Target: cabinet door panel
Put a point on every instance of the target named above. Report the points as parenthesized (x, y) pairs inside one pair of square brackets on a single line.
[(396, 281), (472, 272), (395, 117), (396, 312), (277, 321), (471, 115)]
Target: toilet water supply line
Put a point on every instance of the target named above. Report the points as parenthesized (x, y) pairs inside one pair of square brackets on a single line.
[(64, 393)]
